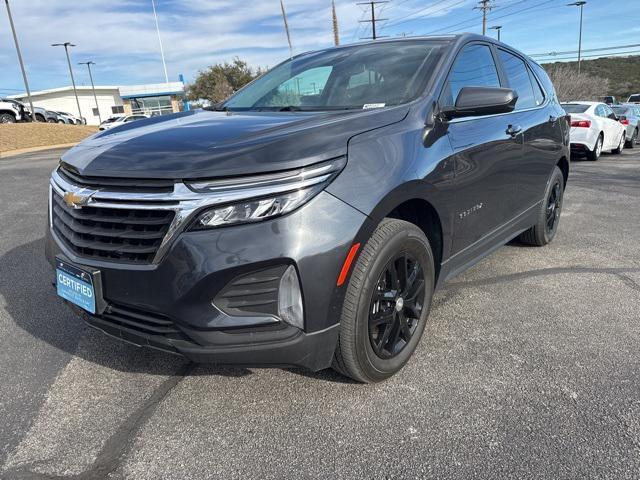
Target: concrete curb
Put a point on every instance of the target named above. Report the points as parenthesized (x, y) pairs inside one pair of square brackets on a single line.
[(11, 153)]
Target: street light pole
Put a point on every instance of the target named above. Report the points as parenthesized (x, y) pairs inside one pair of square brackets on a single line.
[(164, 65), (498, 28), (93, 87), (66, 46), (580, 4), (24, 73)]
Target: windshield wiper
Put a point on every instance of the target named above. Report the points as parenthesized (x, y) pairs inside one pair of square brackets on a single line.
[(289, 108), (217, 107)]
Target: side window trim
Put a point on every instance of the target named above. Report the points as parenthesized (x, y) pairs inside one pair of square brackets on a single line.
[(453, 63), (532, 76)]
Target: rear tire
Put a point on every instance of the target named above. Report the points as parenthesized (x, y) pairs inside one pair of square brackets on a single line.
[(7, 118), (40, 118), (633, 140), (384, 315), (594, 154), (546, 227), (623, 140)]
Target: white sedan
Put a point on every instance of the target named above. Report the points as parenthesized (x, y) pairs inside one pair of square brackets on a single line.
[(594, 128), (107, 124)]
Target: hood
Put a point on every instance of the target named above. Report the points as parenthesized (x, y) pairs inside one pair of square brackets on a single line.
[(202, 144)]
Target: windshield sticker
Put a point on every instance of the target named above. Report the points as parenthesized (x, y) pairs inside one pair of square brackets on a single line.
[(367, 106)]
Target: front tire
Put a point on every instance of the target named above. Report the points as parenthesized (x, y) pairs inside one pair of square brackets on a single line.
[(7, 118), (546, 226), (386, 304)]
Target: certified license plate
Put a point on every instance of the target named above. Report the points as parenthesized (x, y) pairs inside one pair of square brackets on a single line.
[(75, 285)]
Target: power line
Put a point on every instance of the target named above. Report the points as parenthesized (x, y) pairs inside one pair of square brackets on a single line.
[(373, 20), (472, 20), (601, 55), (426, 15), (490, 17), (602, 49)]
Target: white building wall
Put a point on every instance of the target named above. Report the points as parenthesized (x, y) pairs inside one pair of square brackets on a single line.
[(66, 102)]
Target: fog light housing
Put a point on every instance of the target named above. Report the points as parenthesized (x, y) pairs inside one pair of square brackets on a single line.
[(290, 308)]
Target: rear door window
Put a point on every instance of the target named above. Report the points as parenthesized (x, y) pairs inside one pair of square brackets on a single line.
[(519, 79), (474, 67)]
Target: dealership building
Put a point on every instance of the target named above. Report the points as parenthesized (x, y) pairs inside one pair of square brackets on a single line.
[(151, 99)]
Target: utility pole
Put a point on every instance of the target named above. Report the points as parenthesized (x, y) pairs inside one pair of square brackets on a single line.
[(66, 46), (336, 33), (373, 19), (485, 6), (580, 4), (93, 87), (286, 29), (498, 28), (24, 73), (164, 65)]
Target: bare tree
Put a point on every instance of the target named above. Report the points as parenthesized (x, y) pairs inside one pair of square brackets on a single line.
[(571, 85)]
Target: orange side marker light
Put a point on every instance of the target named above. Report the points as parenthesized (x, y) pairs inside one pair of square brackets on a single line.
[(347, 264)]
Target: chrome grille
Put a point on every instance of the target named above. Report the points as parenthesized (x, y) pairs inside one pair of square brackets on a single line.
[(123, 235)]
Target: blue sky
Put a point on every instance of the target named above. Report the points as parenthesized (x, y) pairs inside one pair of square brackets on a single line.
[(120, 36)]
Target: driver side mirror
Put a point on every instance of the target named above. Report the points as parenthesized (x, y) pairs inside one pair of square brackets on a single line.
[(477, 101)]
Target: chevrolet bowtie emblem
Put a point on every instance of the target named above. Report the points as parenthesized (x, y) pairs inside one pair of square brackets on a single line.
[(77, 199)]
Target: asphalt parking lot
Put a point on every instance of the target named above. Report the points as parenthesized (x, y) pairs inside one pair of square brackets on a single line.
[(529, 368)]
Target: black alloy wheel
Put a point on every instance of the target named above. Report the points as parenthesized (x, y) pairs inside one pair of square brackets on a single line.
[(387, 302), (548, 218), (396, 306), (554, 206)]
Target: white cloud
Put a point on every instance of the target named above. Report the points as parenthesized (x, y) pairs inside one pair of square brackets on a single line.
[(121, 38)]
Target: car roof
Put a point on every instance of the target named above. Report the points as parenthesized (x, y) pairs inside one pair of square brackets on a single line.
[(454, 39), (581, 103)]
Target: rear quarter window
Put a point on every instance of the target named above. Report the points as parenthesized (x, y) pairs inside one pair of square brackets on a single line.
[(541, 74), (574, 108)]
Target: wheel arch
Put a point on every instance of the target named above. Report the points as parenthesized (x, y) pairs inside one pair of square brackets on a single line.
[(410, 202), (9, 112), (563, 165)]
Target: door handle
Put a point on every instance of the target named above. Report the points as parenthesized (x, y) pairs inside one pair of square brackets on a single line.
[(513, 130)]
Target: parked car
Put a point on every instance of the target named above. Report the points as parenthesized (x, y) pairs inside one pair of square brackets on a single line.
[(312, 229), (111, 119), (610, 100), (11, 111), (635, 98), (69, 118), (43, 115), (106, 125), (629, 115), (594, 128)]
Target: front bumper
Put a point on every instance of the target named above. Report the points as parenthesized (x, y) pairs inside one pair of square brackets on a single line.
[(200, 264)]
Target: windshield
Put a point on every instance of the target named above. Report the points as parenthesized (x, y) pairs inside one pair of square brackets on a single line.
[(575, 107), (358, 77)]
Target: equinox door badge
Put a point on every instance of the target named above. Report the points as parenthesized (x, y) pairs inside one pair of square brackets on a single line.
[(471, 210)]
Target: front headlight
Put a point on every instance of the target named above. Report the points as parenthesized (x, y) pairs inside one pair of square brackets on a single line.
[(264, 196)]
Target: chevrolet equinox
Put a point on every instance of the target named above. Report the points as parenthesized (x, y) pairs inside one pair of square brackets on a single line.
[(307, 220)]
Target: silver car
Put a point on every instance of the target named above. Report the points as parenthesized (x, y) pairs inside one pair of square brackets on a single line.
[(629, 115)]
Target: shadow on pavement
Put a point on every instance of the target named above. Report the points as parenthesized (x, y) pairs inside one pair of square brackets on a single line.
[(31, 301)]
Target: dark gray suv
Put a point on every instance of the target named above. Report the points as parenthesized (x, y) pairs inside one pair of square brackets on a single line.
[(307, 220)]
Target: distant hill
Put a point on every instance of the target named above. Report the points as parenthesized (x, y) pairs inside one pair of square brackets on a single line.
[(623, 73)]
